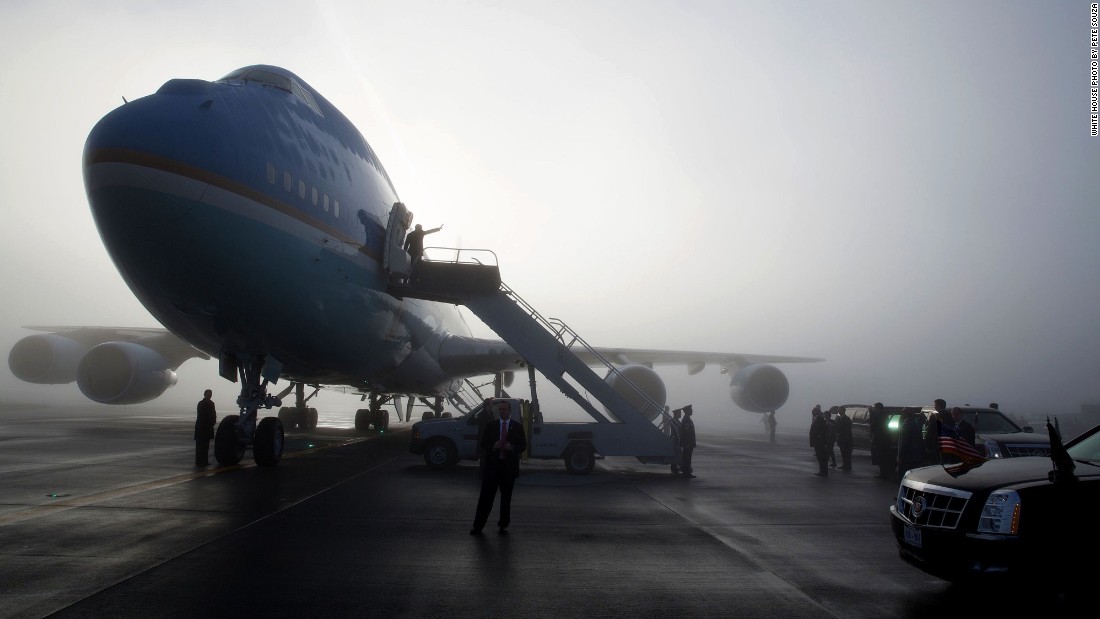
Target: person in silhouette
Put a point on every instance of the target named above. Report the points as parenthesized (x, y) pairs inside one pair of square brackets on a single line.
[(844, 438), (672, 430), (687, 442), (910, 445), (206, 415), (414, 241), (769, 421), (502, 441), (818, 442), (880, 442)]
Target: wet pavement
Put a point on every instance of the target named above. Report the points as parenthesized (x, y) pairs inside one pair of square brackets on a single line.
[(101, 514)]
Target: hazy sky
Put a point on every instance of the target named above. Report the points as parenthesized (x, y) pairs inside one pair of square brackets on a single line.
[(906, 189)]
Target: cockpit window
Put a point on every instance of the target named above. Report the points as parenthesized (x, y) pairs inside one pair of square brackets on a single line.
[(268, 78)]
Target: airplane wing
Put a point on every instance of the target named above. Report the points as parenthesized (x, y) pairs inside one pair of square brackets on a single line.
[(755, 384), (159, 339), (694, 361), (111, 365)]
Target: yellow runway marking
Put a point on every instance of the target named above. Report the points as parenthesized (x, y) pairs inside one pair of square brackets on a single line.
[(91, 499)]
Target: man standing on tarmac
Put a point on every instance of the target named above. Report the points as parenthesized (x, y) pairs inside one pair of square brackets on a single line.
[(844, 438), (672, 430), (205, 418), (769, 421), (502, 442), (932, 431), (687, 441), (880, 443), (818, 442)]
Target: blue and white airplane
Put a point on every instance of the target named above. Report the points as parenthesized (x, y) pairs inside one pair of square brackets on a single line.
[(251, 218)]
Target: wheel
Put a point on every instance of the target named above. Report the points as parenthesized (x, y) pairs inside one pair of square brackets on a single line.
[(311, 418), (580, 459), (286, 415), (440, 454), (382, 421), (227, 449), (362, 419), (267, 445)]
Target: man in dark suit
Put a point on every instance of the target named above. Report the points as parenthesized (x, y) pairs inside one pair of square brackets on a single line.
[(687, 442), (502, 442), (818, 441), (205, 418), (966, 431), (414, 241)]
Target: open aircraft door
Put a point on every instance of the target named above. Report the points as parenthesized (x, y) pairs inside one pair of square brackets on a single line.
[(396, 260)]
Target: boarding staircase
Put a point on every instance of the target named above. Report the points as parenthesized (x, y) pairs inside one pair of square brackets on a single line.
[(467, 397), (548, 345)]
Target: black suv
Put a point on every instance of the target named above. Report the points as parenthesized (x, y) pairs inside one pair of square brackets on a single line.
[(996, 435), (861, 434)]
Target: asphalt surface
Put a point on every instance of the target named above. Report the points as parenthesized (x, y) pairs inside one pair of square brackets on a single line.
[(101, 514)]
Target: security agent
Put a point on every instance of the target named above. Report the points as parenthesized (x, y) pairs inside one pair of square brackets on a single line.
[(501, 442)]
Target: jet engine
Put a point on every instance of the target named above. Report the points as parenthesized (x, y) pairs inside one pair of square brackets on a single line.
[(646, 380), (759, 388), (47, 359), (123, 373)]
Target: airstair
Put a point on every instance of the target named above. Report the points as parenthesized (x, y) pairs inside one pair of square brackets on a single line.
[(473, 280)]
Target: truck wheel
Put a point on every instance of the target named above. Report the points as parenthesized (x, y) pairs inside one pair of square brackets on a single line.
[(580, 459), (440, 454)]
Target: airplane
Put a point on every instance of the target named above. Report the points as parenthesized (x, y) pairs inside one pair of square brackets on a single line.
[(250, 217)]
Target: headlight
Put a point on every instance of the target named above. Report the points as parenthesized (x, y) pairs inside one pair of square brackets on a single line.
[(1001, 513), (993, 450)]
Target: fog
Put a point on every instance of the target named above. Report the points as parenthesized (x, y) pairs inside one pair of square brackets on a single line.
[(907, 190)]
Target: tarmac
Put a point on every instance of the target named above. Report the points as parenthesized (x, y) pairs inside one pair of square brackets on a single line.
[(102, 514)]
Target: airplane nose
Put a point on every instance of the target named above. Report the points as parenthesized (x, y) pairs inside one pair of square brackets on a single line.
[(149, 161)]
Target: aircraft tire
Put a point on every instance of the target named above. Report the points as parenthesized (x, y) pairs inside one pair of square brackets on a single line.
[(362, 419), (227, 449), (286, 415), (267, 446), (311, 419), (440, 454), (580, 459), (382, 421)]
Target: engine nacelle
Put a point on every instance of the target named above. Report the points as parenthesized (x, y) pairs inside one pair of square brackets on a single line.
[(46, 359), (760, 388), (123, 373), (646, 380)]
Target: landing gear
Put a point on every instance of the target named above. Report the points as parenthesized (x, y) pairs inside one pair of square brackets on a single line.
[(267, 447), (375, 415), (237, 432), (227, 449), (362, 419), (298, 417)]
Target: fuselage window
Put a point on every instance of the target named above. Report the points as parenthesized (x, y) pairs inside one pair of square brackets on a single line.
[(287, 183), (302, 189), (271, 173), (314, 196), (326, 202), (336, 207)]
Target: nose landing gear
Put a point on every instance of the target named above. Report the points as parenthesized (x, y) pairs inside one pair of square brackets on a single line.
[(237, 433)]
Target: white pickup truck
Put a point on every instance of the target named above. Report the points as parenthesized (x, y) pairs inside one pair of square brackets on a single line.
[(444, 442)]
